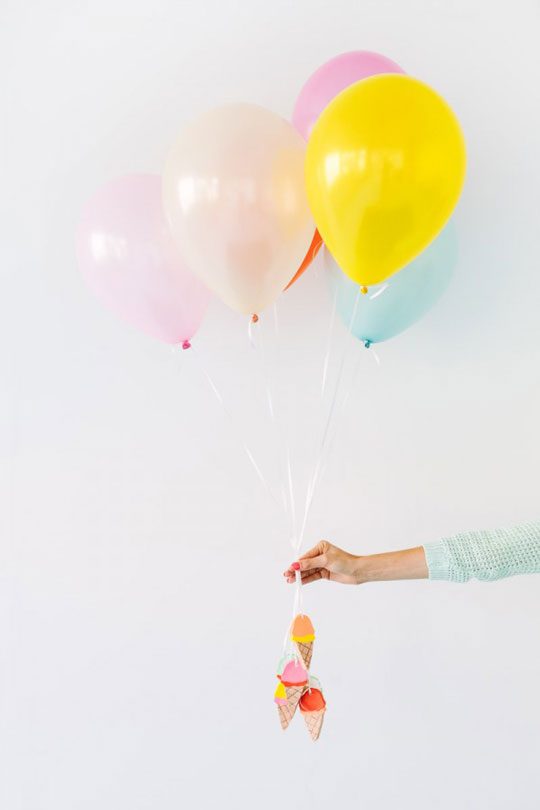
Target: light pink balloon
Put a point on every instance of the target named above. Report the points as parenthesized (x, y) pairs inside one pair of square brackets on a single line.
[(333, 77), (129, 259)]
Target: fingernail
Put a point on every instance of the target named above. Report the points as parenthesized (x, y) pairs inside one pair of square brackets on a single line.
[(295, 566)]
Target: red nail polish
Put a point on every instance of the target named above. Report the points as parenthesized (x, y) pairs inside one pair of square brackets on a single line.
[(295, 566)]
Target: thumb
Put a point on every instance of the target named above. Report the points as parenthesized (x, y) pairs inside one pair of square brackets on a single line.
[(321, 547)]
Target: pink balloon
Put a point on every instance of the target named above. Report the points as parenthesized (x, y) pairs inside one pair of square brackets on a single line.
[(333, 77), (129, 259)]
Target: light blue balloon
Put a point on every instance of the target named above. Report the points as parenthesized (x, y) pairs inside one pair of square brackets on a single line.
[(391, 307)]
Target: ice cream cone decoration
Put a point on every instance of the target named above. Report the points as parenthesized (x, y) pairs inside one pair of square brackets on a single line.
[(303, 636), (313, 707), (294, 680), (296, 686)]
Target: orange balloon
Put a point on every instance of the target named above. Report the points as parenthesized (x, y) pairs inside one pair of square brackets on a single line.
[(316, 244)]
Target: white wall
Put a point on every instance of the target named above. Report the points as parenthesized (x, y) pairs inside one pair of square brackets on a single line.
[(142, 607)]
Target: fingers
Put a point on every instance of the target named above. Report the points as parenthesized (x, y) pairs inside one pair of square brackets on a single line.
[(311, 563), (309, 576), (305, 565), (313, 576), (313, 560)]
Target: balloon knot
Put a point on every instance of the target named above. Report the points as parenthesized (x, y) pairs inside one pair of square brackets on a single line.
[(186, 344), (363, 290), (254, 318), (367, 343)]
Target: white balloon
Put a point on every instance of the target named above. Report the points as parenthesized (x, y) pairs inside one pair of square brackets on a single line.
[(234, 196)]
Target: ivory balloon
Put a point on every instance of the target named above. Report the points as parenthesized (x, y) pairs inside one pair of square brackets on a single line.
[(234, 195)]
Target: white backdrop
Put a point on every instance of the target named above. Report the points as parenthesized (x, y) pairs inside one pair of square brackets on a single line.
[(142, 607)]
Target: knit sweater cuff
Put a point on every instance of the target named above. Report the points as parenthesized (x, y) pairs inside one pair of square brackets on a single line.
[(437, 559)]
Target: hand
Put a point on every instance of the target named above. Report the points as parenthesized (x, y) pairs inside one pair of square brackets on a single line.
[(325, 561)]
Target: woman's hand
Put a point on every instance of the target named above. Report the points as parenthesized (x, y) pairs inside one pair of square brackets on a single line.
[(325, 561)]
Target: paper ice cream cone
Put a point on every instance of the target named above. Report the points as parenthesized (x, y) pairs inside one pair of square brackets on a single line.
[(287, 710), (305, 651), (294, 680), (313, 708), (303, 636), (314, 721)]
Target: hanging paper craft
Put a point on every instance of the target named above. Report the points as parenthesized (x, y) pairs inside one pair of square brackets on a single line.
[(313, 706), (295, 683), (294, 680), (303, 636)]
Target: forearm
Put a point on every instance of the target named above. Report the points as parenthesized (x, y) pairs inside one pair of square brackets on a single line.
[(407, 564)]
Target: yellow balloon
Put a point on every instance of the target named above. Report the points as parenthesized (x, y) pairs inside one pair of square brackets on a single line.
[(385, 165)]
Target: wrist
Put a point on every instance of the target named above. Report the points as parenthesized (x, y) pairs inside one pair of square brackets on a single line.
[(363, 568), (407, 564)]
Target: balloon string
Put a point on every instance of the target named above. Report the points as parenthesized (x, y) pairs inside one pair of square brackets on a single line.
[(328, 344), (219, 397), (375, 356), (250, 333), (379, 291), (298, 595), (297, 604), (342, 409), (324, 443), (288, 472), (291, 497), (297, 609), (283, 433), (287, 638), (286, 477)]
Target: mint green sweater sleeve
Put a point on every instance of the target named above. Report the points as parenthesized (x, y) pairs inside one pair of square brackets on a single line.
[(485, 555)]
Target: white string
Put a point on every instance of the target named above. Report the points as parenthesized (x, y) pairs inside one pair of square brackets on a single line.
[(287, 639), (298, 593), (288, 472), (283, 445), (291, 498), (328, 343), (228, 414), (298, 599), (379, 292), (376, 356), (250, 332), (286, 476), (341, 410), (320, 456), (296, 610)]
